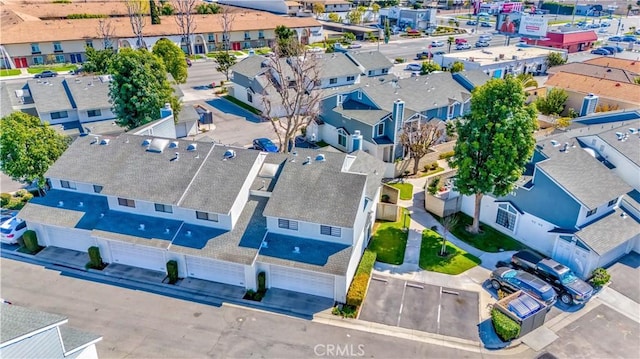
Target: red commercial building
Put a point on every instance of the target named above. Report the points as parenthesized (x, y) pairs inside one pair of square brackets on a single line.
[(572, 41)]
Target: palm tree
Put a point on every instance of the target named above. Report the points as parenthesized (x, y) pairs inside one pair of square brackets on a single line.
[(450, 41), (527, 80), (448, 223)]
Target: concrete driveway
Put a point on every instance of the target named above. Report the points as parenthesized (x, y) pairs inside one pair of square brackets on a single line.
[(624, 276), (422, 307)]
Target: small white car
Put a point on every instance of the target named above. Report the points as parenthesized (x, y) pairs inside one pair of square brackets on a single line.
[(413, 67), (437, 43), (12, 229)]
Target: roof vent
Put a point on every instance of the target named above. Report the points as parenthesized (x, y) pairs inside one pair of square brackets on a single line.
[(158, 145), (265, 244), (173, 144), (633, 130), (192, 147), (320, 157), (623, 215), (60, 203), (555, 143), (296, 250), (229, 154), (308, 161), (105, 141), (146, 142), (619, 135), (141, 227), (96, 140)]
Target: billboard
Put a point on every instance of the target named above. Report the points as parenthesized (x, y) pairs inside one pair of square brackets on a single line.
[(532, 25), (508, 23)]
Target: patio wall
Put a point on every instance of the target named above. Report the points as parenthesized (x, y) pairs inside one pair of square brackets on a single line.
[(388, 212), (393, 193)]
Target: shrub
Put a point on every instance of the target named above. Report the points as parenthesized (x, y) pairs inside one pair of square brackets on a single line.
[(172, 271), (262, 282), (346, 311), (366, 262), (95, 260), (85, 16), (433, 186), (445, 155), (5, 198), (31, 241), (253, 295), (399, 60), (600, 277), (62, 1), (506, 328), (357, 290), (385, 198)]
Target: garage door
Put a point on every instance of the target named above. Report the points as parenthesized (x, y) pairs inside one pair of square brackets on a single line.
[(138, 256), (302, 281), (215, 271), (78, 240)]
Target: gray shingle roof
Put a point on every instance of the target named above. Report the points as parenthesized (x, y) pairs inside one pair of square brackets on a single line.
[(73, 338), (50, 95), (581, 175), (336, 65), (18, 321), (371, 60), (89, 93), (595, 71), (609, 231), (364, 114), (317, 192), (630, 147), (249, 66), (372, 167), (188, 114)]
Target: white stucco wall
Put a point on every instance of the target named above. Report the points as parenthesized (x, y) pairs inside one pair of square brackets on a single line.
[(311, 231), (105, 114), (243, 194), (72, 116), (625, 168)]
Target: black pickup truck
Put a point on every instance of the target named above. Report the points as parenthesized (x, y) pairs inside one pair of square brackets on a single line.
[(570, 288)]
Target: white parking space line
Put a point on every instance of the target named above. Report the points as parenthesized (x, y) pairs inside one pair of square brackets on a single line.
[(412, 285), (404, 290), (439, 308)]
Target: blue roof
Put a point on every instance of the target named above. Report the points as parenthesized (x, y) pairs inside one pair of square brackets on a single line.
[(312, 251), (608, 118)]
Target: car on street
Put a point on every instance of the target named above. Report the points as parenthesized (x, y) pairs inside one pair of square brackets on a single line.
[(461, 41), (629, 38), (485, 24), (439, 52), (11, 229), (482, 44), (413, 67), (45, 74), (601, 51), (512, 280), (354, 46), (472, 22), (436, 43), (485, 38), (463, 47), (264, 144), (615, 38), (423, 55)]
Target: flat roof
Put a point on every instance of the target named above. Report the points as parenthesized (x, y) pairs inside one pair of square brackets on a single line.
[(487, 56)]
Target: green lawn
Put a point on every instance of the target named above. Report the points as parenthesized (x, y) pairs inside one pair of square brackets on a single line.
[(263, 50), (321, 144), (431, 172), (9, 72), (57, 68), (456, 262), (389, 240), (406, 190), (488, 240), (243, 105)]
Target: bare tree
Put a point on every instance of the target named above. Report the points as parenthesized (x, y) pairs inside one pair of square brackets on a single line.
[(292, 95), (417, 138), (186, 20), (226, 21), (448, 223), (106, 32), (138, 19)]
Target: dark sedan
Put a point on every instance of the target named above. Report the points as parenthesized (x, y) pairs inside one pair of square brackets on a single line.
[(46, 73), (264, 144), (513, 280), (601, 51)]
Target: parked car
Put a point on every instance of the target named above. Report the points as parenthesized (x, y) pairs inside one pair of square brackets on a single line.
[(264, 144), (629, 38), (413, 67), (594, 26), (436, 43), (354, 46), (485, 38), (439, 52), (613, 49), (601, 51), (605, 24), (472, 22), (615, 38), (570, 288), (482, 44), (45, 74), (485, 24), (461, 41), (603, 31), (513, 280), (463, 47), (423, 54), (12, 229)]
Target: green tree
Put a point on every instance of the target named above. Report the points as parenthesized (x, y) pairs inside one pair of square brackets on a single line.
[(555, 59), (318, 8), (387, 30), (173, 58), (334, 17), (636, 80), (354, 16), (28, 147), (139, 88), (210, 8), (429, 67), (153, 10), (286, 42), (457, 66), (98, 61), (553, 103), (495, 141), (527, 80), (450, 41), (375, 8), (348, 37), (166, 9), (417, 138), (224, 61)]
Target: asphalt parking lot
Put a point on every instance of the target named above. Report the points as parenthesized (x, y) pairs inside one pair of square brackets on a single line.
[(624, 276), (422, 307)]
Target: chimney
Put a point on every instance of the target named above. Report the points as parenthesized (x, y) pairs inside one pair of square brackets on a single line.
[(398, 111), (356, 140), (166, 111)]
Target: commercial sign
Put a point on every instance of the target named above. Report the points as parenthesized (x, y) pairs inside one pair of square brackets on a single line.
[(532, 25), (508, 7)]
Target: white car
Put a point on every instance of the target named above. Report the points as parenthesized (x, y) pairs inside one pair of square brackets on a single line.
[(437, 43), (12, 229), (413, 67)]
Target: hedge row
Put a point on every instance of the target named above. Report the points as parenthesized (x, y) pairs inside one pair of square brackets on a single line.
[(445, 155), (506, 328), (358, 287)]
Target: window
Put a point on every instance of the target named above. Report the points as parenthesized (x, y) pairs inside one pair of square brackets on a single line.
[(450, 111), (67, 184), (287, 224), (351, 78), (612, 202), (342, 138), (333, 81), (127, 202), (163, 208), (601, 148), (339, 100), (261, 34), (94, 113), (370, 73), (246, 45), (567, 238), (247, 35), (506, 216), (35, 48), (592, 212), (330, 231), (37, 60), (97, 189), (89, 43), (385, 71), (205, 216), (249, 97), (582, 246), (379, 130), (57, 47), (593, 142), (211, 38), (60, 59), (59, 115)]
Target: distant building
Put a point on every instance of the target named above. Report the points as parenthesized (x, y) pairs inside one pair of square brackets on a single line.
[(570, 40), (417, 19)]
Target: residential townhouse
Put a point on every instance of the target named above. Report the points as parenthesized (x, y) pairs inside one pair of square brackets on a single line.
[(30, 333), (224, 214), (371, 115), (579, 198), (251, 82), (37, 42)]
